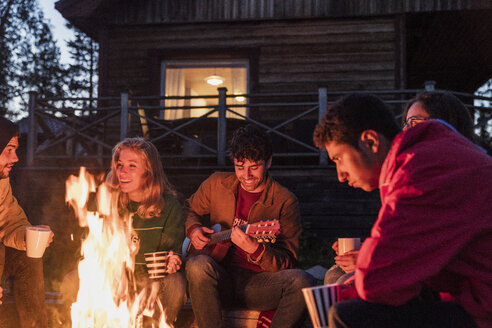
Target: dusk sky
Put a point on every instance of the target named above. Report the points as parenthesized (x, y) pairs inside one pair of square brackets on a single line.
[(60, 32)]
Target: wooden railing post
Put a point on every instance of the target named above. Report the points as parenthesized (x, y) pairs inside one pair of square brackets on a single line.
[(221, 127), (32, 132), (124, 116), (323, 103)]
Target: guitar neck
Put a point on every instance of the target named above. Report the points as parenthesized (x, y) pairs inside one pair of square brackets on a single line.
[(224, 235)]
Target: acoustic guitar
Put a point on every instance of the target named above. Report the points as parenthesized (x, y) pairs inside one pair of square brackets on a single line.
[(220, 240)]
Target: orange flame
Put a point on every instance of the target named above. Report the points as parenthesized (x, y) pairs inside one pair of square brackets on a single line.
[(107, 293)]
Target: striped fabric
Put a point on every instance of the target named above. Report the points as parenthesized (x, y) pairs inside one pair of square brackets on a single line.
[(318, 300)]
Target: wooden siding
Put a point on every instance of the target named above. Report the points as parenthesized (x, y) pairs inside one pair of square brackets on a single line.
[(286, 56), (180, 11)]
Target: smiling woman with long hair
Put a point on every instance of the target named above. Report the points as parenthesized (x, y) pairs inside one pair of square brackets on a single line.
[(145, 193)]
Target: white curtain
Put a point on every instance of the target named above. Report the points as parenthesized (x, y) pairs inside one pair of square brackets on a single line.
[(175, 86), (238, 84)]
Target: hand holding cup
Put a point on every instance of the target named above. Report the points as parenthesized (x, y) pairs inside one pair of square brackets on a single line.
[(37, 239), (347, 261), (50, 240), (347, 250), (174, 263)]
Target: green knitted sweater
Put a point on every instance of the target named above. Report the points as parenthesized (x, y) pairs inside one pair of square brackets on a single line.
[(161, 233)]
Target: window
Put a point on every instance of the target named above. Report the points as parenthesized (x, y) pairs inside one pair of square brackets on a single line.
[(202, 78)]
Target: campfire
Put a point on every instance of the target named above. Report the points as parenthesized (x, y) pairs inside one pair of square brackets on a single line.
[(107, 295)]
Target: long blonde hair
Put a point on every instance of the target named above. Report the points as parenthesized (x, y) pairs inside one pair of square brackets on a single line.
[(155, 185)]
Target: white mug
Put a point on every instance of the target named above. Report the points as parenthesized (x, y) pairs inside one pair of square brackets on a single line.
[(348, 244), (36, 240)]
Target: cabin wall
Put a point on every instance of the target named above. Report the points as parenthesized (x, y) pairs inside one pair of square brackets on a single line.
[(179, 11), (285, 56)]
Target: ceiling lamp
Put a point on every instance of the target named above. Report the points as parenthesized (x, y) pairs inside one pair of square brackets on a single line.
[(214, 79)]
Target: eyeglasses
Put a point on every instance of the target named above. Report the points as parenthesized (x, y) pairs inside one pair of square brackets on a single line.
[(414, 120)]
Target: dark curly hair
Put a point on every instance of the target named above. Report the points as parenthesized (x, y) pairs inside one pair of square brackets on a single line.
[(349, 116), (251, 143)]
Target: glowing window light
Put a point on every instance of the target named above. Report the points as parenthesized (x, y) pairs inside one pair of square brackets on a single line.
[(214, 79)]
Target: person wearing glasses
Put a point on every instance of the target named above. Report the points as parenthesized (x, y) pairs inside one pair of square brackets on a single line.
[(433, 233), (438, 105), (424, 106)]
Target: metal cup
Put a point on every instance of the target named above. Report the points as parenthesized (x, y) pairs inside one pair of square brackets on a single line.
[(157, 263)]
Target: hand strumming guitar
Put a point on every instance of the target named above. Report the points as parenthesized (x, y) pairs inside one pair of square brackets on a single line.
[(243, 241), (198, 237)]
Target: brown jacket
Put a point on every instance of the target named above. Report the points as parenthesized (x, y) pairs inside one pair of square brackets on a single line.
[(216, 197), (13, 222)]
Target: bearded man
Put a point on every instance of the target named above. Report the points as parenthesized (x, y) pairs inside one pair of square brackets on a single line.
[(27, 272)]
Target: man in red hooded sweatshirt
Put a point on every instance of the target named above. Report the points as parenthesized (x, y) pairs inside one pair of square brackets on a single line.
[(434, 228)]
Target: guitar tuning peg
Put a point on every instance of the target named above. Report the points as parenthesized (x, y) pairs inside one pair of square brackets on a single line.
[(260, 239), (273, 240), (267, 240)]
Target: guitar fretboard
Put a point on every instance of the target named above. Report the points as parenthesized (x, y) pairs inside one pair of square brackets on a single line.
[(224, 235)]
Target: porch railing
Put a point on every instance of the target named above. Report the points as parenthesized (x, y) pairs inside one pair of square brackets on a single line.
[(82, 131)]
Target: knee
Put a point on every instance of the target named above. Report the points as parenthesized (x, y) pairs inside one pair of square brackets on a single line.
[(176, 283), (343, 278), (175, 286), (333, 274), (198, 266), (299, 279)]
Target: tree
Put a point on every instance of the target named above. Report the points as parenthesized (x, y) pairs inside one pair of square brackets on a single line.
[(83, 71), (483, 118), (29, 57), (14, 15), (39, 67)]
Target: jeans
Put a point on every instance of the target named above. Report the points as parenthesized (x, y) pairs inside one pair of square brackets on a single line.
[(335, 275), (28, 287), (416, 313), (213, 287), (172, 292)]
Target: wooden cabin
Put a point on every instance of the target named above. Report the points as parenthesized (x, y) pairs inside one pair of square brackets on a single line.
[(175, 48), (299, 52), (293, 48), (292, 45), (161, 60)]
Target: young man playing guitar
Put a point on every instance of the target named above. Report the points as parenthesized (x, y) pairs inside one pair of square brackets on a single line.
[(254, 275)]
